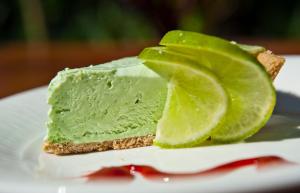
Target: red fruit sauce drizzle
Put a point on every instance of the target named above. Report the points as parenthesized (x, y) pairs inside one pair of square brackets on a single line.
[(128, 172)]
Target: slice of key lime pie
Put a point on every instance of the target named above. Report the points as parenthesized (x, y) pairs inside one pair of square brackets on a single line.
[(124, 103), (109, 106)]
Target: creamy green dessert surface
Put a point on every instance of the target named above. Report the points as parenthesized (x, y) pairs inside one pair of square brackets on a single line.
[(110, 101)]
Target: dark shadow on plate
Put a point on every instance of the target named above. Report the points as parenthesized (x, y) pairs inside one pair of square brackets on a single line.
[(278, 128), (285, 122), (287, 104)]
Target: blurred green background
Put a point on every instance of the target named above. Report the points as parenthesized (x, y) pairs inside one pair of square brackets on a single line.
[(119, 20)]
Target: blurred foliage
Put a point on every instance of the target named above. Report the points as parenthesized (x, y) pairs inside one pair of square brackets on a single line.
[(96, 20), (105, 20)]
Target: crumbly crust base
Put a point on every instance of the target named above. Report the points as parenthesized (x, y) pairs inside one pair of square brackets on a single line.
[(72, 148), (270, 61)]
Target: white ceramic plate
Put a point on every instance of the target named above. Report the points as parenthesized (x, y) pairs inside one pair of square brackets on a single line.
[(25, 168)]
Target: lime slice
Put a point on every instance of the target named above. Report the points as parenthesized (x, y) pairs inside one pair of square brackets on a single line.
[(252, 96), (196, 101)]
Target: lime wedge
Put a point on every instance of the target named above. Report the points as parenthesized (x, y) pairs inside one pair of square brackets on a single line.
[(250, 89), (196, 101)]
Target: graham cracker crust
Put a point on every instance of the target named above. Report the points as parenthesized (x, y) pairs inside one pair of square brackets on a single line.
[(72, 148), (270, 61)]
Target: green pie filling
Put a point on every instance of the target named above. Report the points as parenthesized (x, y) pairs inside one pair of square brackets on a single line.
[(116, 100)]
